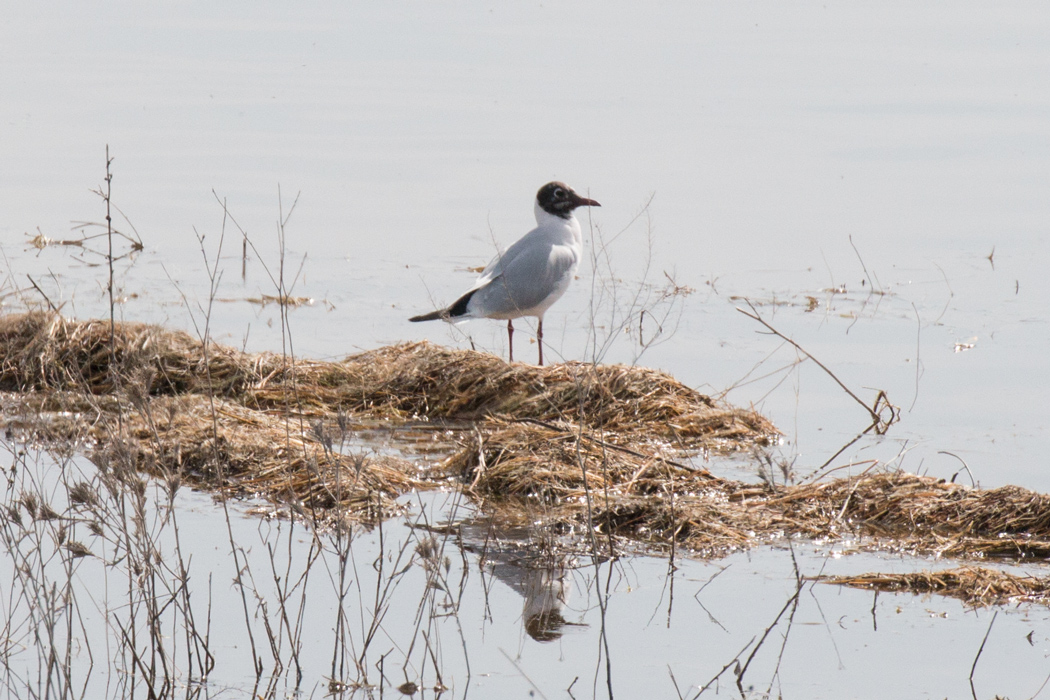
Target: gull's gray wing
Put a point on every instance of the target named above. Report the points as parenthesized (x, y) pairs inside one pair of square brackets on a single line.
[(525, 277)]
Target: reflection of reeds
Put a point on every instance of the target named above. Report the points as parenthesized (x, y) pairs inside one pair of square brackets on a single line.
[(83, 524)]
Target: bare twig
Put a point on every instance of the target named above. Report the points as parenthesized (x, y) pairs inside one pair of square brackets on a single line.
[(41, 291), (881, 401)]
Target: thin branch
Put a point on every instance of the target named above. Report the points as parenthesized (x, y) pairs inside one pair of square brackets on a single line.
[(881, 400)]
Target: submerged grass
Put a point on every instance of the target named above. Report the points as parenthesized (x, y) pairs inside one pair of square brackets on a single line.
[(976, 586)]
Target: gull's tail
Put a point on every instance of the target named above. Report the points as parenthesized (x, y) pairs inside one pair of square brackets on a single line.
[(459, 308), (432, 316)]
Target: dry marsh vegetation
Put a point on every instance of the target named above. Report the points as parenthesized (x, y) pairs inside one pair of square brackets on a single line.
[(656, 500), (584, 450), (586, 459), (46, 352), (263, 424), (601, 444)]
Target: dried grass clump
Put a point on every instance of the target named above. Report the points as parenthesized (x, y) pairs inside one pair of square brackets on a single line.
[(219, 446), (977, 586), (170, 404), (250, 453), (932, 514), (644, 496), (544, 462), (598, 447), (415, 380), (40, 351), (584, 482), (427, 380)]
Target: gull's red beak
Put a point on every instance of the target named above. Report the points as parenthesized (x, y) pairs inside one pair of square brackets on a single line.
[(579, 201)]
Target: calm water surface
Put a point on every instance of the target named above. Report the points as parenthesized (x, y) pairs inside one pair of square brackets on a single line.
[(889, 162)]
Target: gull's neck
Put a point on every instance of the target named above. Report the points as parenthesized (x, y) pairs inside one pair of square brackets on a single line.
[(552, 222)]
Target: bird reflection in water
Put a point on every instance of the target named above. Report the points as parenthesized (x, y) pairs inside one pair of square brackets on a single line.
[(527, 560)]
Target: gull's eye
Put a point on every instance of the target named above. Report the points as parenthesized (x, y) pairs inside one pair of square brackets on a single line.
[(559, 193)]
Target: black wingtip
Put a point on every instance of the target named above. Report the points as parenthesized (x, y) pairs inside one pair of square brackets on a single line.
[(460, 307)]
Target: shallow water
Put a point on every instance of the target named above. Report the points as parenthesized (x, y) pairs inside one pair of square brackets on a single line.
[(890, 163), (487, 618)]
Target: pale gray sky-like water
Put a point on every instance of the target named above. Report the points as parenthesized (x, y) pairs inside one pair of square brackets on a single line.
[(775, 153)]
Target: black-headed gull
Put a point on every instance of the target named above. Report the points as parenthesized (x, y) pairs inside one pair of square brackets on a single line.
[(532, 274)]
